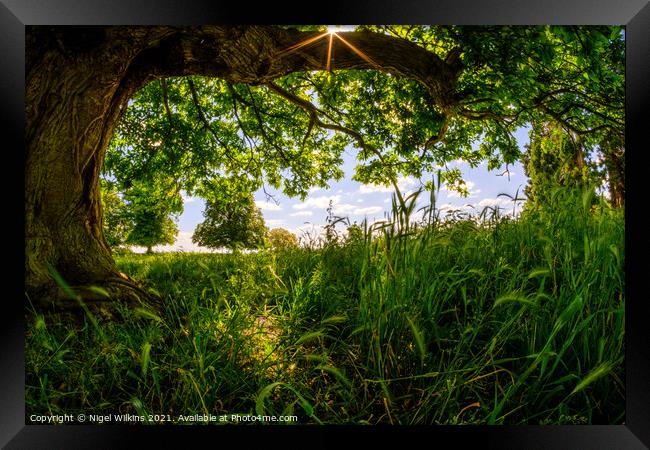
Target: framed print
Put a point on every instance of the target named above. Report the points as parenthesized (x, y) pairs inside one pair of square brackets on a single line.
[(424, 220)]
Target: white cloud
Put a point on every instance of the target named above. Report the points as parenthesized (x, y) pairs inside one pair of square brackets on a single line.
[(469, 185), (305, 228), (360, 200), (499, 201), (274, 222), (302, 214), (321, 202), (403, 183), (368, 210), (343, 208), (267, 206), (308, 232), (450, 206)]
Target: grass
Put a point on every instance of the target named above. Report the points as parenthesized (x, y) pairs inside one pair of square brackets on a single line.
[(465, 321)]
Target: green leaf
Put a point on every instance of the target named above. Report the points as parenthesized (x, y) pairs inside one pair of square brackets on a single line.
[(263, 395), (99, 290), (598, 372), (513, 297), (419, 339), (541, 272), (145, 357), (142, 312), (337, 373), (310, 337)]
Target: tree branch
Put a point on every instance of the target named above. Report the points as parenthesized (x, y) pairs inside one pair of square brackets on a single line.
[(163, 86), (263, 130), (438, 137), (204, 120), (235, 96), (312, 110)]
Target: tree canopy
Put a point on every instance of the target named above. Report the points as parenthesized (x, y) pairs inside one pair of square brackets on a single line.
[(279, 238), (234, 223), (216, 137), (117, 223), (152, 208), (143, 215), (289, 133), (552, 160)]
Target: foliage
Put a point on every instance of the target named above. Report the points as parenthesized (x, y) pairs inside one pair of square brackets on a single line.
[(279, 238), (290, 133), (233, 223), (553, 159), (116, 219), (469, 322), (355, 234), (151, 207)]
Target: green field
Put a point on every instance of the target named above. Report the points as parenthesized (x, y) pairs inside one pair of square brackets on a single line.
[(467, 321)]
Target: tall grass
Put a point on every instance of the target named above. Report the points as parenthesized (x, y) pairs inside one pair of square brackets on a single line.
[(474, 320)]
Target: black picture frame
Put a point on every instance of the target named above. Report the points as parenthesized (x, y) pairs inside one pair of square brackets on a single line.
[(635, 14)]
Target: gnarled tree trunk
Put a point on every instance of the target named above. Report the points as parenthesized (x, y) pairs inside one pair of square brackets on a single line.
[(79, 80), (74, 96)]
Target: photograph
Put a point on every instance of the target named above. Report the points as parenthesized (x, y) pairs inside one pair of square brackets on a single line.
[(374, 226), (345, 224)]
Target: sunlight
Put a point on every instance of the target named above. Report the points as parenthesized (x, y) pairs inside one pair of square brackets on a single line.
[(357, 51), (332, 30), (304, 43), (329, 51)]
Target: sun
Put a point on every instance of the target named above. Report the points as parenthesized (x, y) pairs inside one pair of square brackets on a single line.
[(333, 29)]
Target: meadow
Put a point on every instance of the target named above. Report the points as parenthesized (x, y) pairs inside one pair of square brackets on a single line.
[(470, 320)]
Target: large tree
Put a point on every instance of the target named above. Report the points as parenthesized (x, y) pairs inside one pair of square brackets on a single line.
[(407, 97), (235, 223), (553, 158), (152, 209)]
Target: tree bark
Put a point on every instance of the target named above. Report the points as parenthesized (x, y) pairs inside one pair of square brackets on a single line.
[(73, 100), (79, 80)]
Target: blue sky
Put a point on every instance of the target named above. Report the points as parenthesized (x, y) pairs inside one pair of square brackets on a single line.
[(357, 201)]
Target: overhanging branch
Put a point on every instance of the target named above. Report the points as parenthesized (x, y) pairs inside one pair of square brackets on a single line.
[(204, 120), (313, 111)]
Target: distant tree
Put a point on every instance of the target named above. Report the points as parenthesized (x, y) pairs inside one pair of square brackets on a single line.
[(612, 152), (234, 223), (152, 209), (554, 158), (116, 220), (279, 238)]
